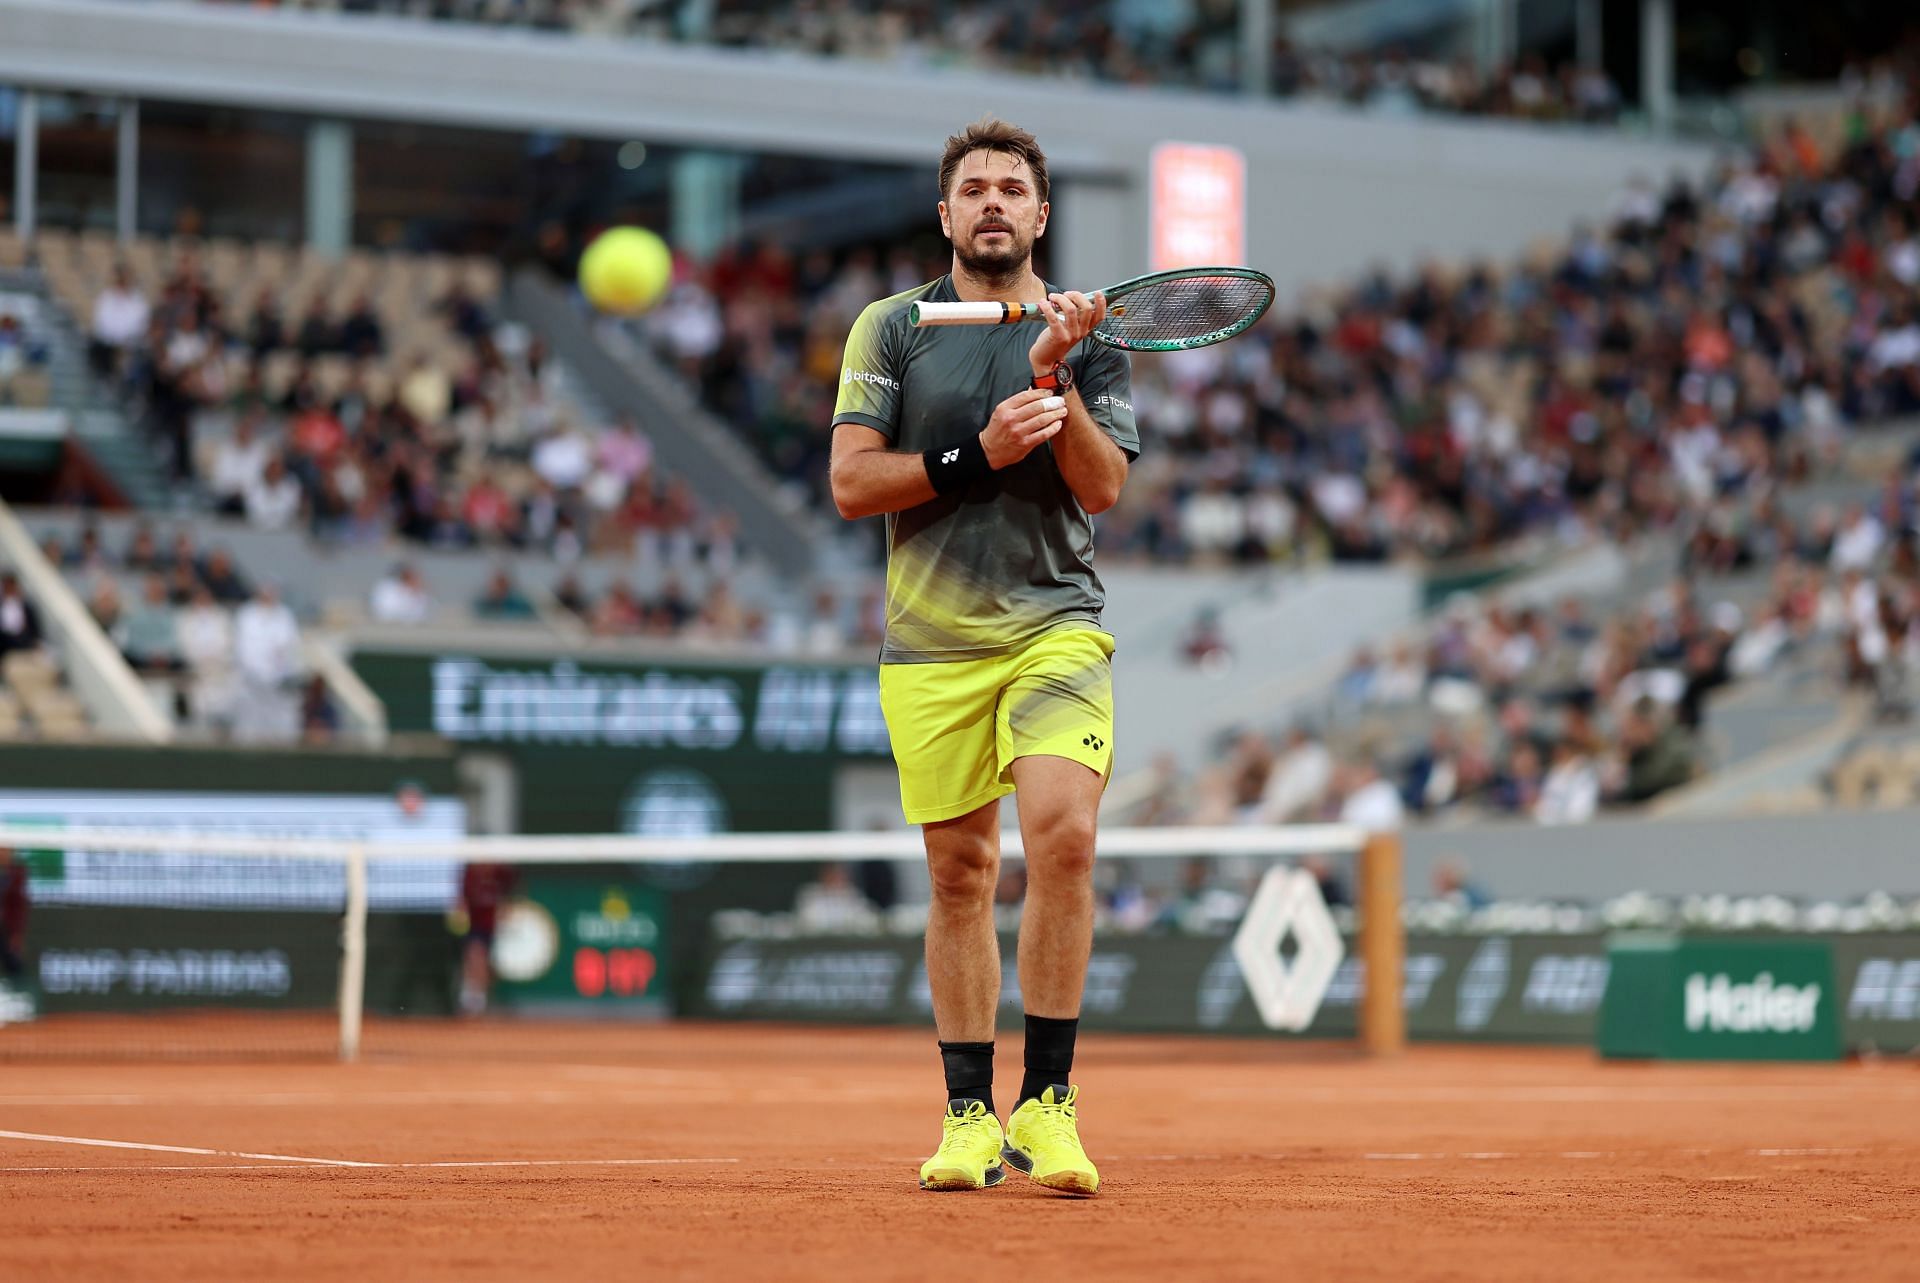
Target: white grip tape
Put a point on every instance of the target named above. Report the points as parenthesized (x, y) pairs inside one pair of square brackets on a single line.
[(960, 313)]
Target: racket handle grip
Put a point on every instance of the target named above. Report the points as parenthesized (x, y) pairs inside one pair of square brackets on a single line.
[(971, 313)]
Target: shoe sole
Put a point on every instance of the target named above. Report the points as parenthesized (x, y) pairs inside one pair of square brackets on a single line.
[(1079, 1184), (953, 1181)]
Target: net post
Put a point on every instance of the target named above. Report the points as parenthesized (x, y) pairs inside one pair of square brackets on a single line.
[(353, 954), (1383, 1021)]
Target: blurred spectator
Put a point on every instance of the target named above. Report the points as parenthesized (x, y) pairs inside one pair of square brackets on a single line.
[(148, 634), (1657, 757), (360, 332), (1206, 646), (1202, 905), (19, 623), (316, 335), (18, 350), (501, 599), (88, 556), (1570, 794), (206, 646), (401, 597), (1371, 802), (319, 719), (1301, 774), (1450, 882), (223, 578), (1333, 887), (120, 316), (274, 500), (143, 552), (484, 889), (266, 651), (824, 635), (239, 465), (103, 603), (832, 904), (1165, 798), (14, 906)]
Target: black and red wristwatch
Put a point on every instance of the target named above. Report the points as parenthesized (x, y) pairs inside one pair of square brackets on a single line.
[(1057, 380)]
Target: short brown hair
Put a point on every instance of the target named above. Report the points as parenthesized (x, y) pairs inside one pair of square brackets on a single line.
[(993, 134)]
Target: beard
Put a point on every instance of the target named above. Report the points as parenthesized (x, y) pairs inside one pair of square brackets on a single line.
[(996, 264)]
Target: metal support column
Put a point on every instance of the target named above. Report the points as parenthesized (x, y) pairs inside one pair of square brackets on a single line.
[(26, 164), (1256, 48), (1589, 48), (126, 171), (329, 186), (1656, 63)]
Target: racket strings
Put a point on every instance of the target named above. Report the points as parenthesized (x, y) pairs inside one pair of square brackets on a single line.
[(1185, 308)]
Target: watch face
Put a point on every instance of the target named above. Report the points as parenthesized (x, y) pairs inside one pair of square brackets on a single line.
[(1063, 376)]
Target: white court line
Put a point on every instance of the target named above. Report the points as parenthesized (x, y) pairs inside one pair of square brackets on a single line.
[(1422, 1156), (172, 1167), (273, 1167), (1569, 1095), (98, 1143), (677, 1096), (307, 1164)]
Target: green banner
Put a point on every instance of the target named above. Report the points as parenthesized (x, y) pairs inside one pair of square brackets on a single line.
[(1720, 998), (584, 941), (649, 748), (1509, 988)]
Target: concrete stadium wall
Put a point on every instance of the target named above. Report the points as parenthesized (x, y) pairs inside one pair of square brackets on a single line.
[(1836, 854)]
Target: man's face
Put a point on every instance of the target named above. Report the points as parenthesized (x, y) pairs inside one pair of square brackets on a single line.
[(992, 213)]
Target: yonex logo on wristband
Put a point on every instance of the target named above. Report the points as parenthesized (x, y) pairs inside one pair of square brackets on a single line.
[(850, 375), (951, 456)]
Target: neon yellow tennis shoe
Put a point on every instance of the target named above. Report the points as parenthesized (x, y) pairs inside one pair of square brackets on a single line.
[(1043, 1141), (969, 1153)]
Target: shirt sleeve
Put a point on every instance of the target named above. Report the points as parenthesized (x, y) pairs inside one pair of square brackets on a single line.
[(1105, 379), (870, 373)]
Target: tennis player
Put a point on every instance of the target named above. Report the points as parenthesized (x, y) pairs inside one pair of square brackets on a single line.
[(989, 450)]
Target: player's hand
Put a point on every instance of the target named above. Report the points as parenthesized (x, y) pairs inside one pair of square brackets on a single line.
[(1020, 423), (1070, 317)]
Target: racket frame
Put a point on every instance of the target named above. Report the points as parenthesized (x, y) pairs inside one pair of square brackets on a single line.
[(921, 314)]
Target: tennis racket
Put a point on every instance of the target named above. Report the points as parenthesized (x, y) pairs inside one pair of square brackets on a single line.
[(1164, 312)]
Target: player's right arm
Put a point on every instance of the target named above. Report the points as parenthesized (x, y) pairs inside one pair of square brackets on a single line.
[(868, 475), (869, 478)]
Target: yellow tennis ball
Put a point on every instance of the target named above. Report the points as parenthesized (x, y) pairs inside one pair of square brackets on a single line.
[(626, 270)]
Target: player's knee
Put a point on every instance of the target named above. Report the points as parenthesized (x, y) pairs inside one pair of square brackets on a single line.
[(1061, 845), (964, 872)]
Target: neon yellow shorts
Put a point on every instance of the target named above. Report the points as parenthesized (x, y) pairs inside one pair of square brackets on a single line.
[(958, 728)]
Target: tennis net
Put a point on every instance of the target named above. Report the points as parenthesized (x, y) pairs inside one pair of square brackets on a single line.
[(146, 944)]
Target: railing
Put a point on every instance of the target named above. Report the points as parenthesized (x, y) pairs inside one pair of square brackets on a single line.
[(100, 676)]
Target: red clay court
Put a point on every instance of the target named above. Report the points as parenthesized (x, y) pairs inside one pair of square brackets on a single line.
[(734, 1152)]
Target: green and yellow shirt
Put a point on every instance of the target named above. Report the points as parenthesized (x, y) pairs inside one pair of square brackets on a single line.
[(985, 570)]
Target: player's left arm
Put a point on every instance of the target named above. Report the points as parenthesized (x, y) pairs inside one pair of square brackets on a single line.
[(1089, 449)]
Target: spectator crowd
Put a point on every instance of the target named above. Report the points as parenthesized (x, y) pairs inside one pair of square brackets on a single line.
[(320, 426), (1554, 714), (1697, 342), (1191, 46), (227, 651)]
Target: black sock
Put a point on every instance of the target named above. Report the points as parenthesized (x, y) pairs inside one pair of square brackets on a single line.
[(1049, 1055), (969, 1067)]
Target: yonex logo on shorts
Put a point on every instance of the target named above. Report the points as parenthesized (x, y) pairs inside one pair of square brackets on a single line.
[(1094, 742), (850, 375)]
